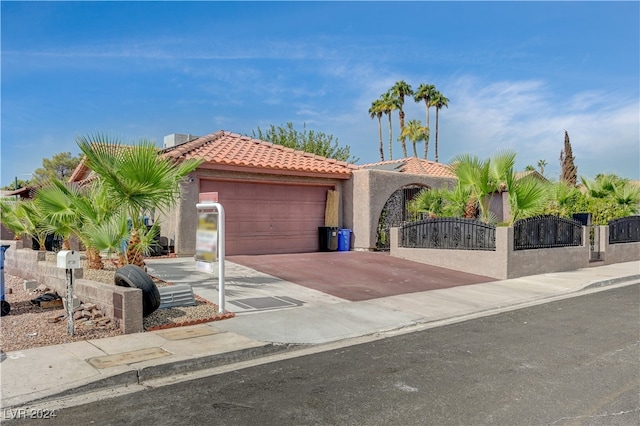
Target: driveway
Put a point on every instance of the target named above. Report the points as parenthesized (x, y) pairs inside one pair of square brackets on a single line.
[(355, 275)]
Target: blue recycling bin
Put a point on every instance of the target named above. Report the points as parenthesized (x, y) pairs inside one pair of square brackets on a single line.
[(344, 239)]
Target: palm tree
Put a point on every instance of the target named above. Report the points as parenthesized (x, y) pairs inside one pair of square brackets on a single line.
[(425, 93), (86, 212), (415, 131), (376, 112), (527, 196), (438, 101), (482, 178), (388, 104), (541, 164), (399, 91), (23, 217), (137, 178)]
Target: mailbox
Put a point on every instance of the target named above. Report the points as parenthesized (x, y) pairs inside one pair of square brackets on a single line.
[(68, 259)]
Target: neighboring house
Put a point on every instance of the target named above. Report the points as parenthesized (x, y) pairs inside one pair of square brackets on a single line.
[(275, 198)]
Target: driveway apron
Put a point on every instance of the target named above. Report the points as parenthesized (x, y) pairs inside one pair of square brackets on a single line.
[(357, 276)]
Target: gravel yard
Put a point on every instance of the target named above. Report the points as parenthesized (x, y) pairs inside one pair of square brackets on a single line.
[(28, 325)]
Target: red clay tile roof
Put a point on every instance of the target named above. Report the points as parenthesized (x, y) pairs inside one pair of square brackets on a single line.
[(413, 165), (230, 149)]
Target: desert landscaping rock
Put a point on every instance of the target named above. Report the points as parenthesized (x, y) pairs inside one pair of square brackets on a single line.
[(28, 326)]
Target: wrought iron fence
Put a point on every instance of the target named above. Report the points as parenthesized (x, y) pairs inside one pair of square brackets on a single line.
[(624, 230), (448, 233), (545, 232)]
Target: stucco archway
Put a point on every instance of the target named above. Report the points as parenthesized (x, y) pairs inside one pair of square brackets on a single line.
[(395, 212), (369, 191)]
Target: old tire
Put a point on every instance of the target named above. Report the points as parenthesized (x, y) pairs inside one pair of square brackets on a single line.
[(6, 307), (135, 277)]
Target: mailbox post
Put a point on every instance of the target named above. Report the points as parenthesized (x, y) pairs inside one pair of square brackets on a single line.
[(69, 260)]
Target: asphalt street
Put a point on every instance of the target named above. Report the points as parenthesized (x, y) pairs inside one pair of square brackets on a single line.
[(569, 362)]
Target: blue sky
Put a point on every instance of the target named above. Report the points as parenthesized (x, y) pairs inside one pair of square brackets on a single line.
[(517, 75)]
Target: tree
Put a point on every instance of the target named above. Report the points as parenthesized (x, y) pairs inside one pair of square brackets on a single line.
[(541, 165), (399, 91), (415, 131), (17, 184), (318, 143), (60, 166), (482, 178), (569, 173), (137, 178), (425, 93), (23, 217), (376, 112), (438, 100), (388, 104), (530, 168), (86, 212)]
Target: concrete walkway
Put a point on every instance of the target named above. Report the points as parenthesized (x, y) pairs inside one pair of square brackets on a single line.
[(272, 315)]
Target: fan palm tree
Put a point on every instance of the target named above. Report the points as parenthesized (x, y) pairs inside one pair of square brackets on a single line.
[(425, 93), (376, 112), (137, 178), (527, 197), (23, 217), (438, 101), (86, 212), (399, 91), (10, 217), (389, 104), (415, 131), (482, 178)]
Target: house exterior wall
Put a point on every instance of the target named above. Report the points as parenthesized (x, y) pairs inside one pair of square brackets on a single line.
[(366, 194), (180, 224), (504, 262)]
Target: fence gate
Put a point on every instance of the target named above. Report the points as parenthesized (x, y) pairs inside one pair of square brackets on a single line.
[(594, 242), (394, 213), (594, 235)]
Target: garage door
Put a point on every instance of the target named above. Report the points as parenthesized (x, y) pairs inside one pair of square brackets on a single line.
[(270, 218)]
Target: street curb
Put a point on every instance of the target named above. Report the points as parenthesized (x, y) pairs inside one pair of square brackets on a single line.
[(139, 376), (211, 361), (611, 281)]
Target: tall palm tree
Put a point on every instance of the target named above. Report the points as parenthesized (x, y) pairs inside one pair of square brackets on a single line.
[(389, 104), (138, 178), (376, 112), (541, 165), (425, 93), (415, 131), (438, 101), (399, 91)]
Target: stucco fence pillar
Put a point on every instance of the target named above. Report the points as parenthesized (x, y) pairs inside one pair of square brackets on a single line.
[(504, 262), (123, 304)]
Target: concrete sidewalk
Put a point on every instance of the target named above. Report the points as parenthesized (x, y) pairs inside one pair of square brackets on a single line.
[(258, 330)]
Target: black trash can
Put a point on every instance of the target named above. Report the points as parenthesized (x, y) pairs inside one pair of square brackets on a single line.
[(328, 238)]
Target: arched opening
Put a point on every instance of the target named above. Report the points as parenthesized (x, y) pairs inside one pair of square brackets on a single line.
[(394, 213)]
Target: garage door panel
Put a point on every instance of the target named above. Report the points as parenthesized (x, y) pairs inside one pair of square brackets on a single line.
[(270, 218)]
